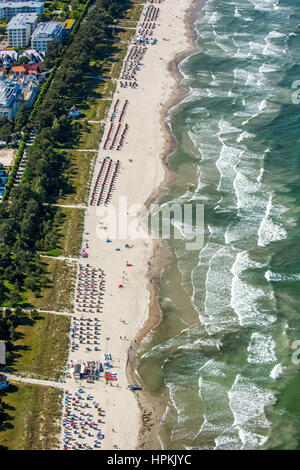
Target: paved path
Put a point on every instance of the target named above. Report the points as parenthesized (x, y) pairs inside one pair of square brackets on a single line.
[(40, 310), (63, 258), (99, 77), (23, 161), (71, 206), (29, 380), (120, 27), (81, 150), (53, 312)]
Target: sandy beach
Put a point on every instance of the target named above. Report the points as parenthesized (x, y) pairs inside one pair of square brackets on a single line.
[(136, 173)]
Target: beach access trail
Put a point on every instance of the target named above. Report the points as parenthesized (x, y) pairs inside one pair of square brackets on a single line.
[(125, 309), (33, 381)]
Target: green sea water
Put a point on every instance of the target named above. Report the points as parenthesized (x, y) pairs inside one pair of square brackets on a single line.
[(221, 358)]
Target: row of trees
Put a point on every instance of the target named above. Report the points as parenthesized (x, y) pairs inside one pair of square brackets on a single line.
[(9, 321), (28, 223)]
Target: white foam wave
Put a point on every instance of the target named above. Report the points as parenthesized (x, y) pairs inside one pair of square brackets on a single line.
[(266, 68), (212, 368), (269, 231), (261, 349), (244, 297), (244, 135), (279, 277), (229, 157), (277, 371), (228, 441), (251, 440), (275, 34), (200, 343), (260, 176), (218, 315), (248, 402)]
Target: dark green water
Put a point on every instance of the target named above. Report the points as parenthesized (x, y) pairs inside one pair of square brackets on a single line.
[(222, 356)]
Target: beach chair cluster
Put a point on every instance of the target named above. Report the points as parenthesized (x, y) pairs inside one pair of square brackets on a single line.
[(105, 181), (152, 13), (89, 290), (122, 139), (85, 332), (131, 66), (136, 53), (112, 137), (144, 39), (84, 252), (91, 371), (108, 375), (115, 110), (81, 420), (147, 27), (124, 109), (141, 40)]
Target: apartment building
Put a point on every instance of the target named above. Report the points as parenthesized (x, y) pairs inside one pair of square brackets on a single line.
[(10, 9), (44, 33), (10, 97), (20, 29)]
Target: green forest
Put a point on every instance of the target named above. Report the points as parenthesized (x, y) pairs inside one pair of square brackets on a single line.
[(28, 221)]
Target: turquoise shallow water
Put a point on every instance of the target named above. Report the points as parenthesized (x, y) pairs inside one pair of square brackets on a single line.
[(222, 356)]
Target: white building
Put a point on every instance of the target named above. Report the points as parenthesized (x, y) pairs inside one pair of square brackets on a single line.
[(44, 33), (10, 9), (30, 87), (7, 58), (20, 28), (33, 56), (10, 97)]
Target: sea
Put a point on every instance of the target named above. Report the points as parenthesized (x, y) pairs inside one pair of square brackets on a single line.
[(224, 359)]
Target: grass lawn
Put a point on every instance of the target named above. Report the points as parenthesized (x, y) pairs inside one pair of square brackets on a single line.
[(86, 138), (111, 66), (124, 35), (134, 13), (101, 89), (32, 417), (58, 294), (69, 234), (116, 66), (131, 16), (79, 174), (41, 348), (110, 86), (90, 139), (96, 110)]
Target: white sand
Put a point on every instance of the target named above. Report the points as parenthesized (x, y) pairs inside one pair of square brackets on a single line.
[(144, 144)]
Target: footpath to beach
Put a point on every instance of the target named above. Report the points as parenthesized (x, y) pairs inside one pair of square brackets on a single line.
[(111, 301)]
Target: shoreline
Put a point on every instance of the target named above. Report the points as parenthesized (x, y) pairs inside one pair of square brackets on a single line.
[(117, 259), (151, 408)]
